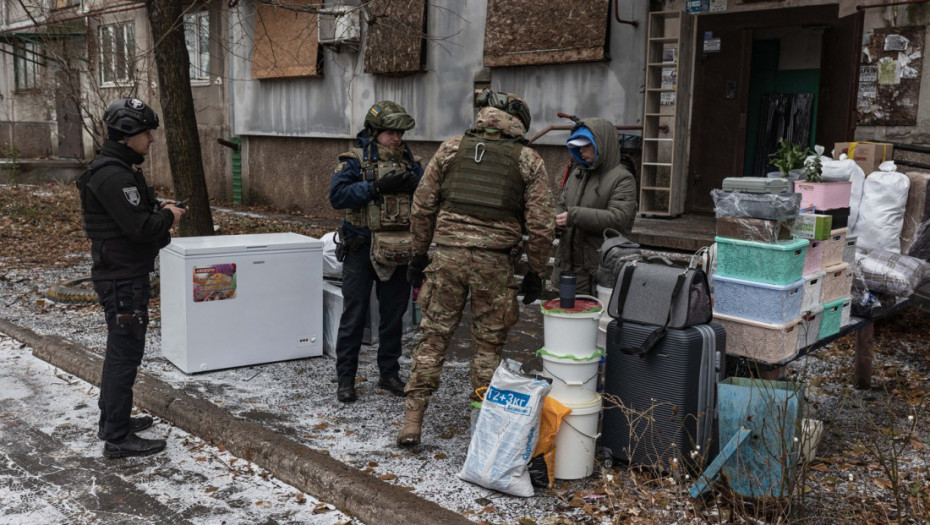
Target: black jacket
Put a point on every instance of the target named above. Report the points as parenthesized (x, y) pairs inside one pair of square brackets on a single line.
[(121, 215)]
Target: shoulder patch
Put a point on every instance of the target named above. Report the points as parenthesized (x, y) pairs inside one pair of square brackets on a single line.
[(132, 195), (339, 167)]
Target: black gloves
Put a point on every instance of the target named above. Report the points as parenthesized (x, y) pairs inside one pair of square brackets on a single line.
[(531, 287), (412, 181), (415, 269), (405, 182)]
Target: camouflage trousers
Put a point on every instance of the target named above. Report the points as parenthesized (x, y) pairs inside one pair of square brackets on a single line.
[(453, 274)]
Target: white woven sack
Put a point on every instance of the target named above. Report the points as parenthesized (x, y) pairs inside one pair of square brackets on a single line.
[(881, 210), (331, 266), (506, 433)]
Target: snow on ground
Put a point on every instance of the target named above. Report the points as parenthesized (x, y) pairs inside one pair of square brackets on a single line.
[(53, 471), (297, 399)]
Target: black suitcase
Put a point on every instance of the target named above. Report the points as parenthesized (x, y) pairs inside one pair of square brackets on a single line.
[(662, 405)]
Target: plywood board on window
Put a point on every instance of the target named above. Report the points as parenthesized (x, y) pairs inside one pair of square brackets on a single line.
[(533, 32), (396, 37), (889, 77), (286, 41)]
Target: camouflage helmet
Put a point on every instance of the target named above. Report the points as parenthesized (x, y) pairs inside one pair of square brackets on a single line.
[(508, 102), (130, 116), (387, 115)]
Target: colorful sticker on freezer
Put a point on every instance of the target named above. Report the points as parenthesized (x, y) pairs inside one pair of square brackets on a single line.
[(215, 282)]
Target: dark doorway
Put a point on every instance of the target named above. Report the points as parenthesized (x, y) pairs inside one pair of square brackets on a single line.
[(753, 57), (70, 143)]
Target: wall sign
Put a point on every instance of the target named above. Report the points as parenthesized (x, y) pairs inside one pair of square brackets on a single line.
[(889, 77)]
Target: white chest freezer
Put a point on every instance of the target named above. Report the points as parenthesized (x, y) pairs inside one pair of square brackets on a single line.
[(238, 300)]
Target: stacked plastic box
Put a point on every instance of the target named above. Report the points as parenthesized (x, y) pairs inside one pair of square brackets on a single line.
[(831, 199), (759, 284)]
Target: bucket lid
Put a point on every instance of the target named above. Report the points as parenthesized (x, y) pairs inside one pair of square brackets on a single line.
[(585, 408), (549, 356), (584, 307)]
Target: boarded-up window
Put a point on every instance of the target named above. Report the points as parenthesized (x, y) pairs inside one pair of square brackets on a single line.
[(533, 32), (286, 41), (396, 37)]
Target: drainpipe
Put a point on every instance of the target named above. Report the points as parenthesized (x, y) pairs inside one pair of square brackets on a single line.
[(633, 23)]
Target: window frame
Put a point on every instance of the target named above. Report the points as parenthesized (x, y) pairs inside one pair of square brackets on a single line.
[(27, 58), (107, 57), (201, 21)]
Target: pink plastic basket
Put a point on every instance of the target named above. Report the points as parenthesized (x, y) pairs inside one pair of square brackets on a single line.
[(824, 195), (813, 257)]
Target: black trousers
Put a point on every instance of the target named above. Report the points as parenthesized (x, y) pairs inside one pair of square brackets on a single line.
[(358, 275), (125, 304)]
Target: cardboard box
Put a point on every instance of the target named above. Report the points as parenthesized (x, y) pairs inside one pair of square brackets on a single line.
[(868, 155)]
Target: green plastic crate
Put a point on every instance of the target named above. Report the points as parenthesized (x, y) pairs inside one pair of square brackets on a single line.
[(772, 263), (832, 318)]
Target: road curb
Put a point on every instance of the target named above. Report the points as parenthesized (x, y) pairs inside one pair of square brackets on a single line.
[(352, 491)]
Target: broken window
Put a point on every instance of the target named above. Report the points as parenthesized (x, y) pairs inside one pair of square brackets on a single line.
[(534, 32), (396, 43), (286, 43)]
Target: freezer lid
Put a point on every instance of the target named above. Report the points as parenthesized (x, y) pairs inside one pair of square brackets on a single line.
[(242, 244)]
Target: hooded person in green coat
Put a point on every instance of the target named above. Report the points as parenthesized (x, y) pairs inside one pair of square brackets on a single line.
[(598, 193)]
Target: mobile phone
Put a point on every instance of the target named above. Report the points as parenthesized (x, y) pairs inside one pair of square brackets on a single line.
[(182, 204)]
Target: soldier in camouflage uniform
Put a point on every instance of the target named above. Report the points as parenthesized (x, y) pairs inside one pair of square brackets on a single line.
[(480, 193), (373, 183)]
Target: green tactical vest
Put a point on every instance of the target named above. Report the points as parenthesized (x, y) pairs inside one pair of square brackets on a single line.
[(388, 212), (484, 179)]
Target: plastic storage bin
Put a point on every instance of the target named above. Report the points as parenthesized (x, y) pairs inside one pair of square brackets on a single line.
[(812, 290), (833, 247), (824, 195), (847, 313), (763, 342), (849, 250), (809, 328), (767, 303), (832, 318), (756, 205), (813, 257), (759, 230), (756, 185), (836, 283), (840, 217), (771, 263)]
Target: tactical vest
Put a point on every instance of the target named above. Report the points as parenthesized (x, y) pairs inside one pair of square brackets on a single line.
[(484, 179), (389, 212), (98, 224)]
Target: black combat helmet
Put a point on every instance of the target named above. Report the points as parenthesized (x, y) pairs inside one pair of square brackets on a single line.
[(130, 116), (387, 115), (508, 102)]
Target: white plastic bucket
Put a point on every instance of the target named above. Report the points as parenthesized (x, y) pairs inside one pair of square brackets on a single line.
[(574, 443), (572, 333), (573, 381)]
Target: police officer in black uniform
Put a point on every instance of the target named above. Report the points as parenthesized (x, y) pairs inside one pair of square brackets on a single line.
[(127, 226), (374, 182)]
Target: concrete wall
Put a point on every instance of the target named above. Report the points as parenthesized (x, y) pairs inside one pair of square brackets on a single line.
[(294, 128), (296, 172)]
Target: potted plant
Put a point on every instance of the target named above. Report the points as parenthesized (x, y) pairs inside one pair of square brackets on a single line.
[(823, 195), (788, 157)]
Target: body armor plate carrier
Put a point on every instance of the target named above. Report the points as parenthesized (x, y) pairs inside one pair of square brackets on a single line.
[(484, 179)]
